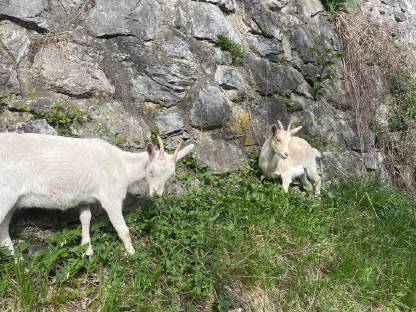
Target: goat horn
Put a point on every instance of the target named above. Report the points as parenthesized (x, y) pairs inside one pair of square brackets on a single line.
[(175, 155), (289, 126), (161, 147), (280, 125)]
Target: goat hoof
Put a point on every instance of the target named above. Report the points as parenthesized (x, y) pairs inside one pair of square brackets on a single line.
[(89, 252), (130, 251)]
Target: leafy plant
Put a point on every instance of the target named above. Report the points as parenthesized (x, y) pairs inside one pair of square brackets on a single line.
[(324, 60), (154, 132), (235, 49), (64, 117), (333, 5)]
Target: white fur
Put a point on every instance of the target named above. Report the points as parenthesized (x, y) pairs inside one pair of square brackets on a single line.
[(290, 158), (58, 172)]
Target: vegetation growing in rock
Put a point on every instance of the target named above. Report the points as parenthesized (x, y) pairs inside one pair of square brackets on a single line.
[(234, 241), (324, 60), (333, 5), (64, 117), (235, 49), (374, 64), (403, 104), (118, 140), (398, 139), (154, 132), (291, 106)]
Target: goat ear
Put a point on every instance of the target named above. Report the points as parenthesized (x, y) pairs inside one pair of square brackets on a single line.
[(150, 151), (274, 129), (293, 131), (185, 151)]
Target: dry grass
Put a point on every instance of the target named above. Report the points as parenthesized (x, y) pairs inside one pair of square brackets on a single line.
[(372, 62)]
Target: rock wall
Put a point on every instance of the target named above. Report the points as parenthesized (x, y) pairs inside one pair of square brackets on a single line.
[(399, 18), (134, 66)]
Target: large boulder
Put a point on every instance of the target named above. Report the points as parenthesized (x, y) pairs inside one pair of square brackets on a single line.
[(131, 17), (220, 156), (16, 43), (210, 108), (71, 69), (264, 19), (342, 165), (169, 123), (271, 78), (206, 21), (166, 74), (9, 83), (32, 14)]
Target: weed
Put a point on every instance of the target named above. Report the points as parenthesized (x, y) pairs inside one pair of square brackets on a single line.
[(63, 117), (235, 49), (154, 132), (313, 140), (333, 5), (324, 59), (31, 94), (118, 140), (23, 107), (8, 99), (291, 106)]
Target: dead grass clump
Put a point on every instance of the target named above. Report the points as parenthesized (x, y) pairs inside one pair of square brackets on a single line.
[(374, 71)]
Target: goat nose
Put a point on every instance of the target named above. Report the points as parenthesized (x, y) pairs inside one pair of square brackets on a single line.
[(286, 155)]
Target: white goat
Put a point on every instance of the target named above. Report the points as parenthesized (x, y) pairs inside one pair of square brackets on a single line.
[(59, 172), (289, 157)]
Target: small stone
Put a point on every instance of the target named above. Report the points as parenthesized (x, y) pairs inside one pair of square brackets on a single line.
[(228, 6), (228, 78), (400, 17), (269, 48), (207, 21), (310, 71), (276, 5), (35, 126)]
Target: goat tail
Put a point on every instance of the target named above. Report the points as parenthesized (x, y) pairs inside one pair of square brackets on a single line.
[(318, 156)]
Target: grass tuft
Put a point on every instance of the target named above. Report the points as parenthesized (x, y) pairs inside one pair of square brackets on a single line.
[(235, 49)]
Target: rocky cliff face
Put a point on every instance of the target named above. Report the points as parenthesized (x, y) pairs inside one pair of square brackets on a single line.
[(122, 69)]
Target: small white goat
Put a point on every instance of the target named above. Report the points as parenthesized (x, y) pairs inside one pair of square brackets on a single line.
[(59, 172), (289, 157)]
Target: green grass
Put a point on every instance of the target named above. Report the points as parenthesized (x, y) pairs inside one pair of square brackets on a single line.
[(233, 241), (235, 49), (63, 117), (333, 5)]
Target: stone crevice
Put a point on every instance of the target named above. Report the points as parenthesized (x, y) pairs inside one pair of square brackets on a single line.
[(25, 24)]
